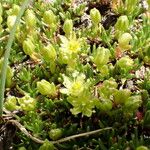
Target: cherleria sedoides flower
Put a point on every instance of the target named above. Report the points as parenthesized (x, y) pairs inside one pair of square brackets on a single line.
[(84, 103), (27, 103), (121, 26), (55, 134), (29, 49), (101, 56), (104, 105), (107, 88), (47, 146), (48, 53), (28, 46), (121, 96), (79, 95), (122, 23), (95, 16), (133, 102), (74, 86), (49, 17), (68, 26), (71, 45), (46, 88), (69, 49), (14, 10), (11, 103), (30, 18), (142, 148), (11, 21), (124, 41), (125, 64)]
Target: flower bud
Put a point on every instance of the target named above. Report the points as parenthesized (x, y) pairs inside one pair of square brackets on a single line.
[(121, 96), (95, 16), (105, 105), (49, 17), (22, 148), (142, 148), (30, 18), (122, 23), (27, 103), (107, 88), (48, 52), (133, 103), (124, 40), (11, 21), (55, 134), (28, 47), (46, 88), (101, 56), (15, 10), (47, 146), (104, 70), (125, 64), (67, 27), (11, 103)]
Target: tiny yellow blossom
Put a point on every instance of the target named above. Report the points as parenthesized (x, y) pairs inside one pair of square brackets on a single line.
[(71, 45)]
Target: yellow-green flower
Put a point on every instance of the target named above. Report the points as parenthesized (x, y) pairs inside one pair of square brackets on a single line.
[(71, 45), (95, 16), (49, 53), (11, 21), (46, 88), (125, 63), (14, 10), (30, 18), (101, 57), (27, 103), (49, 17), (11, 103), (28, 46), (74, 86), (124, 41), (67, 27)]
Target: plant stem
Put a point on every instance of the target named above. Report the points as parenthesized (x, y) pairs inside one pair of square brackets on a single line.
[(7, 54), (22, 129), (81, 135)]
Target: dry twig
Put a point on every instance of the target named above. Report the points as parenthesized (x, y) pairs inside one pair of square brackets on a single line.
[(22, 129)]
